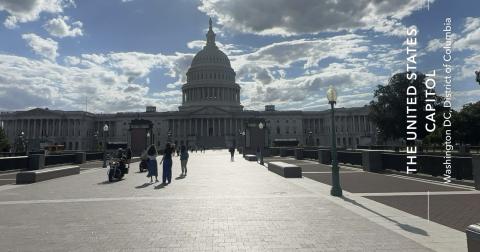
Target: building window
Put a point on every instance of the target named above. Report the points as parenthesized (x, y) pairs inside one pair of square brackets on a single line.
[(278, 130)]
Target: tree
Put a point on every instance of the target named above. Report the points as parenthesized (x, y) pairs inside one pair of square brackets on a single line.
[(389, 108), (4, 145), (466, 124)]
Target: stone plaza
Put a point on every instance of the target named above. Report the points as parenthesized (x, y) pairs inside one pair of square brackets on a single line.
[(225, 206)]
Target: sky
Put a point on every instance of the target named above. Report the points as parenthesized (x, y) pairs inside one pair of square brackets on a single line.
[(122, 55)]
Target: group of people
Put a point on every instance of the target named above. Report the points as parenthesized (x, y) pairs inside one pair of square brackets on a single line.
[(151, 156)]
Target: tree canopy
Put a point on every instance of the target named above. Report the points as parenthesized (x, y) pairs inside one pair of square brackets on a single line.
[(4, 145), (466, 124), (389, 108)]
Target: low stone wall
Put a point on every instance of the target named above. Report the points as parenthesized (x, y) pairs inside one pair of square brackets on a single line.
[(13, 163), (94, 156), (60, 159)]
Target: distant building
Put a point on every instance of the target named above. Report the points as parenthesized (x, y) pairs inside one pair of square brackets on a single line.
[(211, 115)]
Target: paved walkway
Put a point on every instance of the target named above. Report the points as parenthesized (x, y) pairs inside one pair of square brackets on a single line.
[(219, 206)]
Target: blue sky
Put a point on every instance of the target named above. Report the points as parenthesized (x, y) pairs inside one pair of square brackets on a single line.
[(123, 55)]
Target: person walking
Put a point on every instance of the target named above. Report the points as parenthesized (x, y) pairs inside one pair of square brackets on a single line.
[(167, 163), (128, 153), (152, 163), (184, 159), (232, 153)]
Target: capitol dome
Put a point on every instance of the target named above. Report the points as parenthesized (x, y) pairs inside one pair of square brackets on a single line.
[(210, 55), (211, 79)]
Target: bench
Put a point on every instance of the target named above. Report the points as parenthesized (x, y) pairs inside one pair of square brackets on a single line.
[(27, 177), (285, 169), (250, 157)]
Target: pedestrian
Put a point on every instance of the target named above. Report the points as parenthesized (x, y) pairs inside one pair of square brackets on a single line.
[(167, 164), (232, 153), (184, 159), (129, 156), (152, 163)]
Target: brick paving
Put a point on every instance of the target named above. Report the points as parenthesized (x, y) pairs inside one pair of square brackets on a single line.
[(456, 211), (454, 206), (366, 182), (219, 206)]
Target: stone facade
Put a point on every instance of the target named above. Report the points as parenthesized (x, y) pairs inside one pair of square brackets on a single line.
[(210, 115)]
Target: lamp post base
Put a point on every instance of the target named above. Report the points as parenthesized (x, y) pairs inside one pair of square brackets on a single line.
[(336, 191)]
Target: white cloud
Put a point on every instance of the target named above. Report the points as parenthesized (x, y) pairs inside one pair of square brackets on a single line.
[(44, 47), (286, 17), (470, 38), (22, 11), (59, 27)]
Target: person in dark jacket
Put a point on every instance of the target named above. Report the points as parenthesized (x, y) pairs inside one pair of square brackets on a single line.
[(152, 163), (232, 153), (184, 159), (167, 164)]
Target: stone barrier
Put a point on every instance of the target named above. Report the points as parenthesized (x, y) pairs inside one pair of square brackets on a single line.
[(372, 160), (476, 170), (36, 161), (324, 156), (80, 157), (299, 153), (27, 177), (473, 237), (250, 157), (285, 169)]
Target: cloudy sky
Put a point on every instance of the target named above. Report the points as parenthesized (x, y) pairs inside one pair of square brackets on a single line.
[(121, 55)]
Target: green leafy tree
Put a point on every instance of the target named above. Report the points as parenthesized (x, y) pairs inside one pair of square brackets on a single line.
[(466, 124), (389, 108), (4, 145)]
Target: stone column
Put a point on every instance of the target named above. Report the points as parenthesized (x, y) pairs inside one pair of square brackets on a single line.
[(208, 127), (214, 128)]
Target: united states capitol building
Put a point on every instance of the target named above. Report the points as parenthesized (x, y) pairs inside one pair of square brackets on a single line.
[(211, 115)]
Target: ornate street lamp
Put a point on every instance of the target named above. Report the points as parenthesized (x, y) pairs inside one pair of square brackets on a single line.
[(477, 74), (260, 126), (105, 130), (336, 189)]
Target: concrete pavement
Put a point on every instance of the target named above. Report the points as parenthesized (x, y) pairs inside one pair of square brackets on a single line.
[(219, 206)]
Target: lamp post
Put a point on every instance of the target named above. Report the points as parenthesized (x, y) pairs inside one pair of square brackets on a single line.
[(477, 78), (243, 134), (310, 133), (148, 139), (105, 130), (336, 189), (95, 143), (169, 134), (260, 126)]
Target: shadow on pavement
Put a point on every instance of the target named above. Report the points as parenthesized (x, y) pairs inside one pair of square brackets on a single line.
[(143, 186), (106, 182), (405, 227), (160, 186), (180, 177)]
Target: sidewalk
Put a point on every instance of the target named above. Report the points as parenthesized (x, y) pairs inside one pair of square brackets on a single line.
[(219, 206)]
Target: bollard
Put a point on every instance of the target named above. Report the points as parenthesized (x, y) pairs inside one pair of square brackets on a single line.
[(36, 161), (473, 237)]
